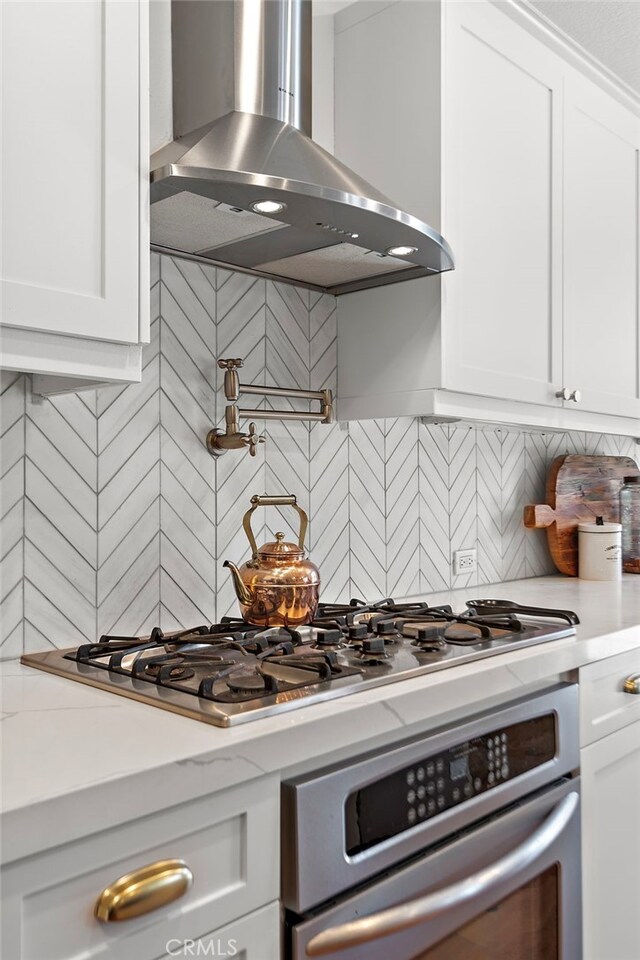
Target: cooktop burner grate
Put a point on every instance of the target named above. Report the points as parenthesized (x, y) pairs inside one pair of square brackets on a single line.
[(234, 671)]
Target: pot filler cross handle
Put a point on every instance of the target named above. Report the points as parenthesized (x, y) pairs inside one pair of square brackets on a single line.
[(232, 438)]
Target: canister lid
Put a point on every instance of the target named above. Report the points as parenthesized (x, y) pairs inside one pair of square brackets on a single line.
[(633, 479), (599, 527)]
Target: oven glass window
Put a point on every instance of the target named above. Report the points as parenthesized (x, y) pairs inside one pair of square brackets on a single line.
[(523, 926)]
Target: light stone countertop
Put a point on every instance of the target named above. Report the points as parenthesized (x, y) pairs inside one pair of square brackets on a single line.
[(74, 756)]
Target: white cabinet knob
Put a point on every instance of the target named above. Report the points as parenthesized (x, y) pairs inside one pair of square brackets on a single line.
[(567, 394)]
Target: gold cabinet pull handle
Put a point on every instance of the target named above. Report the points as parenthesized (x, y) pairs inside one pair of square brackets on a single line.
[(632, 684), (144, 890)]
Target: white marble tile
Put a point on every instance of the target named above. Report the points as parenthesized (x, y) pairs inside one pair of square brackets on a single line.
[(77, 569), (77, 486), (11, 453), (123, 429), (125, 510), (12, 528), (55, 583), (188, 302), (11, 621), (191, 553), (287, 357), (119, 611), (12, 400), (402, 507), (57, 625), (463, 510), (134, 541), (12, 646), (127, 482), (138, 615), (62, 513)]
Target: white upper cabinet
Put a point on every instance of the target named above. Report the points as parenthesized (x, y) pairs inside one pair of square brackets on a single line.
[(502, 141), (479, 123), (74, 187), (601, 253)]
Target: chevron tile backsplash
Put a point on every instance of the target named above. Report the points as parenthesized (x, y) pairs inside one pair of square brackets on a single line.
[(113, 516)]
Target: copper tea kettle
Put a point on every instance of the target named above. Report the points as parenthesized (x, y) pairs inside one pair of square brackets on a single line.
[(277, 586)]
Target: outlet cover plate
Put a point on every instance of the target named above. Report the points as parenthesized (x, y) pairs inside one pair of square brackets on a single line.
[(465, 561)]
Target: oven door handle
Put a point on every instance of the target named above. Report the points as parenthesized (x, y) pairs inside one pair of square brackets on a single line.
[(415, 912)]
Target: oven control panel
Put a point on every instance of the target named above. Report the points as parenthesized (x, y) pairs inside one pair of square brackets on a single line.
[(401, 800)]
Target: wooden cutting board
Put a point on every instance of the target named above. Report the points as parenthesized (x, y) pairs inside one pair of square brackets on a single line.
[(579, 489)]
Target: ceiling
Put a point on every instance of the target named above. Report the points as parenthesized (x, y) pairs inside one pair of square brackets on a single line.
[(608, 29)]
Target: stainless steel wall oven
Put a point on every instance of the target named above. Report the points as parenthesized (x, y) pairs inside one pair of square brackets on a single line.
[(460, 845)]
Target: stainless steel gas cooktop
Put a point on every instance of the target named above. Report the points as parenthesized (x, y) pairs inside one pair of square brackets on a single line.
[(231, 672)]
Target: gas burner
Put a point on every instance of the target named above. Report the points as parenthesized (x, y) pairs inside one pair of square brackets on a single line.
[(385, 628), (249, 683), (372, 651), (233, 671), (431, 648), (332, 639), (274, 636), (427, 639)]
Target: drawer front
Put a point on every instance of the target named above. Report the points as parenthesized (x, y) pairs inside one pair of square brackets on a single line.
[(229, 841), (254, 937), (605, 706)]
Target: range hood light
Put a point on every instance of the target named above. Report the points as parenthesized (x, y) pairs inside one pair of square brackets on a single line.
[(401, 251), (268, 206)]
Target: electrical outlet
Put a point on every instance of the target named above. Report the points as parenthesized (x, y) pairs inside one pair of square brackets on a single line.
[(465, 561)]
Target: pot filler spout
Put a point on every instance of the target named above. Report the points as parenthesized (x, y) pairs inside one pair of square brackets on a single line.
[(243, 184)]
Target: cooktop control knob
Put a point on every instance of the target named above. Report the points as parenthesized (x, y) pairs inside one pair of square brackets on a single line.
[(328, 638), (373, 645), (386, 628)]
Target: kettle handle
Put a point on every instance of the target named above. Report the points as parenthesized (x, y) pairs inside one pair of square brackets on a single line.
[(266, 501)]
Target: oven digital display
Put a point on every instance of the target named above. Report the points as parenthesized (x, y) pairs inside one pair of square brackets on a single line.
[(436, 783), (459, 767)]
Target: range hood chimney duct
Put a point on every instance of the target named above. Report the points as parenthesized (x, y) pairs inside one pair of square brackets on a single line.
[(243, 185)]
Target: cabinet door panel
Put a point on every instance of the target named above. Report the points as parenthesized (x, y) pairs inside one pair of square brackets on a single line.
[(610, 772), (601, 254), (502, 141), (70, 175), (229, 840), (255, 936)]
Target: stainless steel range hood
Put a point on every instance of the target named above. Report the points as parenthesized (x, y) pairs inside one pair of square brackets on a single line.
[(244, 186)]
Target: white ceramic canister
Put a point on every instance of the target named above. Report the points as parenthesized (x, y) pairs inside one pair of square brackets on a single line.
[(600, 551)]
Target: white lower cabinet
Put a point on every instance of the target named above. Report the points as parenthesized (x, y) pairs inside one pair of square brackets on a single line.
[(254, 937), (228, 840), (611, 845), (610, 771)]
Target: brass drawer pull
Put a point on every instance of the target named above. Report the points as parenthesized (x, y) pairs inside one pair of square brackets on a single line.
[(632, 684), (144, 890)]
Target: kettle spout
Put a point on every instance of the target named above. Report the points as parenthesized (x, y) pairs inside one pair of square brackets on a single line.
[(244, 596)]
